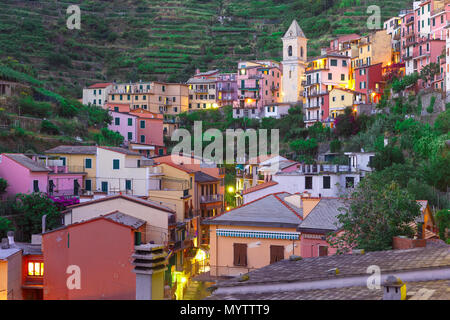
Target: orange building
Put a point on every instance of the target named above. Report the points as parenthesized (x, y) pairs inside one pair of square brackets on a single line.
[(94, 257)]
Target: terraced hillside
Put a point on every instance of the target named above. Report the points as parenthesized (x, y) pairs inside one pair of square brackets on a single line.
[(163, 40)]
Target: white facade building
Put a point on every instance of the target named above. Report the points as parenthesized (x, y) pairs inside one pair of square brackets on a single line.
[(97, 94), (317, 180)]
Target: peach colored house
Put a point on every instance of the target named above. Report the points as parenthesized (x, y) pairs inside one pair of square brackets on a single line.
[(252, 236), (101, 248), (270, 229)]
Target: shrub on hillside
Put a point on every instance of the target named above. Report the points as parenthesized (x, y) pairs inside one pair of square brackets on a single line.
[(49, 127), (28, 106)]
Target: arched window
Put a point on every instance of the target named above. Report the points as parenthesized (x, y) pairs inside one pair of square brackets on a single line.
[(301, 52), (290, 51)]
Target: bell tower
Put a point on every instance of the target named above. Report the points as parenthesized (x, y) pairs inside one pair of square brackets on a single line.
[(294, 63)]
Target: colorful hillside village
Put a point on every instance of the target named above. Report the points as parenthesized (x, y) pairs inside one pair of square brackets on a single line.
[(139, 223)]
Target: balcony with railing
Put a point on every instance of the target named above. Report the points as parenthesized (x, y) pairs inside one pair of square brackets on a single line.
[(211, 198)]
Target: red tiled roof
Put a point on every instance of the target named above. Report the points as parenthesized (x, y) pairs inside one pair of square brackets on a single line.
[(259, 187), (99, 85)]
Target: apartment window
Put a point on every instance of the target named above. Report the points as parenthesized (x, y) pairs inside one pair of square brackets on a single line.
[(326, 182), (333, 62), (142, 122), (112, 97), (117, 121), (276, 253), (100, 101), (116, 109), (240, 254), (88, 163), (142, 139), (121, 97), (323, 251), (163, 88), (127, 184), (174, 99), (130, 122), (128, 97), (342, 98), (342, 77), (35, 185), (95, 101), (308, 183), (344, 62), (88, 185), (104, 186), (95, 92), (349, 182), (334, 99), (130, 136), (330, 76), (35, 269), (116, 164)]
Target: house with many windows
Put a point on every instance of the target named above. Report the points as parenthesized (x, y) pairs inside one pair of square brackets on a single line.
[(97, 94), (258, 84), (202, 90)]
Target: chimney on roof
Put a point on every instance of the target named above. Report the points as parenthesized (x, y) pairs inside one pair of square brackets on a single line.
[(394, 289), (10, 236), (5, 243), (150, 262)]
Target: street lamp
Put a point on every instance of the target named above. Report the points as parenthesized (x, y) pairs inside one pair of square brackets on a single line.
[(231, 189)]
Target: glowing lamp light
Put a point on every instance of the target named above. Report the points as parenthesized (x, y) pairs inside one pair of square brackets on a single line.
[(230, 189), (215, 105), (228, 208), (183, 280)]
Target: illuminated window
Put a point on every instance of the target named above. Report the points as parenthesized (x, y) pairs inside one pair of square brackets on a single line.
[(35, 269)]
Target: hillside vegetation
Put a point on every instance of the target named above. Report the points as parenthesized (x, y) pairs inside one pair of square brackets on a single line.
[(164, 40)]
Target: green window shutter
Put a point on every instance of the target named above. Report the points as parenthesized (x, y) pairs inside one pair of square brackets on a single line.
[(137, 238), (88, 163), (104, 186), (142, 124), (88, 185), (130, 135), (130, 122), (116, 164), (128, 184), (117, 121)]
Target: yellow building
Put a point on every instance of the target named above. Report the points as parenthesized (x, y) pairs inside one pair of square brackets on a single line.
[(375, 48), (78, 159), (339, 100), (156, 97), (202, 90)]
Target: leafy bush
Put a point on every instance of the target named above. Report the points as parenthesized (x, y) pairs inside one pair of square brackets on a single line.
[(335, 146), (28, 106), (108, 137), (3, 185), (49, 127), (443, 222), (431, 106)]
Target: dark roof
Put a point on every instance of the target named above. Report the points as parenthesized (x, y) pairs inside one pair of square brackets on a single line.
[(439, 291), (259, 186), (122, 150), (125, 219), (270, 210), (204, 177), (27, 162), (73, 150), (324, 215), (349, 265), (148, 203)]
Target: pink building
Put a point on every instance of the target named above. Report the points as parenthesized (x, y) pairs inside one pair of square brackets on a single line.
[(258, 85), (25, 175), (322, 75), (101, 248), (149, 127), (125, 124)]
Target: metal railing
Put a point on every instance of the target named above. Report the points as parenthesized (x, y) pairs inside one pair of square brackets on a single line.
[(211, 198)]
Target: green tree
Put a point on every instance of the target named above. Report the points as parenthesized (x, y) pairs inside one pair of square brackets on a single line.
[(428, 72), (375, 214), (387, 157), (443, 222), (30, 208), (3, 185), (5, 226)]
